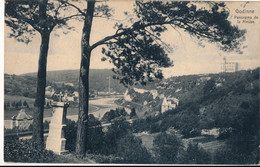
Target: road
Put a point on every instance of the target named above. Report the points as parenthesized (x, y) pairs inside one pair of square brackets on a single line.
[(101, 105)]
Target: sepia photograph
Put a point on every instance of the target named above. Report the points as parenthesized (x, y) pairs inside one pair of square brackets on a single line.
[(130, 82)]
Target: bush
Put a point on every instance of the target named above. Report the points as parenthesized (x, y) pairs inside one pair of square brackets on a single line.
[(228, 155), (240, 149), (16, 150), (112, 114), (168, 148), (117, 130), (196, 155), (70, 133), (133, 113), (95, 136), (100, 158), (131, 150)]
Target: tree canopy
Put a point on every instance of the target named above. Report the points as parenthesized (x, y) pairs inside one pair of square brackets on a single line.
[(26, 17), (138, 51)]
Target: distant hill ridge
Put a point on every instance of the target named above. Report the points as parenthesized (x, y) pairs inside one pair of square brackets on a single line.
[(183, 87), (98, 78)]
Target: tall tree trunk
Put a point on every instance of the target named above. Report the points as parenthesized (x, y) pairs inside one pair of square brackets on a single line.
[(37, 136), (84, 82), (40, 94)]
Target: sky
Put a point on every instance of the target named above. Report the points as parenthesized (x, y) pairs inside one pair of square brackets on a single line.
[(188, 57)]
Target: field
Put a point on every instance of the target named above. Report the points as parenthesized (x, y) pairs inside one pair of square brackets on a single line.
[(12, 98)]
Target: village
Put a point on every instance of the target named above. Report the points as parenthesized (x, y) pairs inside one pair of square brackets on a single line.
[(24, 120)]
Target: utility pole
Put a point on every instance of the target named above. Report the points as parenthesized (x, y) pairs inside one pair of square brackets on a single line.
[(108, 84)]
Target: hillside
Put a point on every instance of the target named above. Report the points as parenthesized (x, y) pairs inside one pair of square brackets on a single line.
[(190, 88), (206, 101), (20, 85), (227, 103), (25, 84), (98, 79)]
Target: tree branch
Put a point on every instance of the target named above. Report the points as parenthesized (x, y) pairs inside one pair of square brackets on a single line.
[(134, 27), (74, 6)]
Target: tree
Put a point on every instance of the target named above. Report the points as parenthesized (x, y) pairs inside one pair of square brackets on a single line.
[(18, 104), (42, 16), (7, 104), (95, 138), (117, 130), (137, 50), (196, 155), (133, 113), (131, 149), (168, 148), (13, 103), (25, 104)]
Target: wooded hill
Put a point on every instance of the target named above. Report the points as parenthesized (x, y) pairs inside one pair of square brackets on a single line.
[(98, 79), (228, 102), (25, 84)]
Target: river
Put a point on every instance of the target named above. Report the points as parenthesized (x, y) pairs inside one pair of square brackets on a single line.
[(98, 107)]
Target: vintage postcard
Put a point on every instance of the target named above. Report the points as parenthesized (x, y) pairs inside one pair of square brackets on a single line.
[(130, 82)]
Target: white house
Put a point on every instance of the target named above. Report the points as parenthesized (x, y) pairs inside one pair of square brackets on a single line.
[(49, 91), (22, 120), (76, 94), (169, 104)]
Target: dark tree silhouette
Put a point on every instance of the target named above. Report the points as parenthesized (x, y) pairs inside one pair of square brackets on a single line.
[(25, 18), (137, 50)]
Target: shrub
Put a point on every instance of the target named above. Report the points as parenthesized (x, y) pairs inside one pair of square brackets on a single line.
[(70, 133), (112, 114), (168, 148), (117, 130), (16, 150), (131, 150), (239, 150), (95, 136), (100, 158), (133, 113), (195, 155)]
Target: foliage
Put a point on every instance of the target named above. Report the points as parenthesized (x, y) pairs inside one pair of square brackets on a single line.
[(137, 51), (16, 150), (167, 148), (107, 159), (95, 137), (133, 113), (112, 114), (142, 39), (130, 148), (231, 155), (70, 133), (31, 18), (118, 129), (149, 124), (26, 85), (195, 155), (25, 104)]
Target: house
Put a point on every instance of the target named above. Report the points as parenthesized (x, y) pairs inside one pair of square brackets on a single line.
[(76, 94), (169, 104), (22, 120), (49, 91)]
